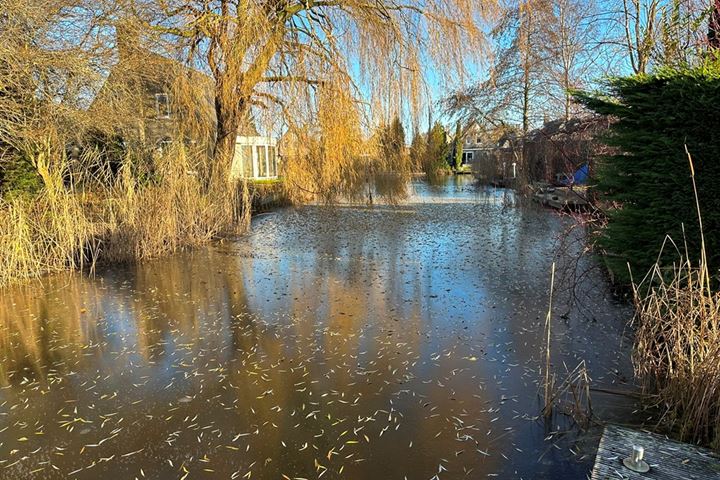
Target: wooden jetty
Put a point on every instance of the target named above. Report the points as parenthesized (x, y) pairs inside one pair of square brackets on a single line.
[(667, 459), (560, 197)]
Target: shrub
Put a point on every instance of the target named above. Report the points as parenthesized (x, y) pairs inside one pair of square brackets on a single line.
[(434, 161), (18, 176)]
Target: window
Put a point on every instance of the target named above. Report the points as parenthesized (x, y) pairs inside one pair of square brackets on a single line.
[(162, 105), (467, 158), (262, 161), (255, 157), (247, 159), (272, 161)]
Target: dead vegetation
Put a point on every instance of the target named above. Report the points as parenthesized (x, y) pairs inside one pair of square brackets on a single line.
[(80, 184), (677, 348), (571, 396), (73, 224)]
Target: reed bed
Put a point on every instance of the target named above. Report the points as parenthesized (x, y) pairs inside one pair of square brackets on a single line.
[(571, 397), (677, 345), (677, 349), (76, 222)]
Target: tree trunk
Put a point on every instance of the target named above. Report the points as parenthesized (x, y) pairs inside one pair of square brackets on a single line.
[(566, 81), (526, 52), (526, 99), (225, 144), (229, 109)]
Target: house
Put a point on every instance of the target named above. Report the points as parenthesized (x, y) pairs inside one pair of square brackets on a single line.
[(561, 152), (158, 101), (563, 149), (489, 151), (475, 144)]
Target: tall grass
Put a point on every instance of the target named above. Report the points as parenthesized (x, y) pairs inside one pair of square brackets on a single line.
[(677, 347), (77, 221)]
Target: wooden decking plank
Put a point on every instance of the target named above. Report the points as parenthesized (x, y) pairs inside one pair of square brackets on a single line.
[(668, 459)]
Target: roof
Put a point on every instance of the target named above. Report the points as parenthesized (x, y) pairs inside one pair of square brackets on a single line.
[(142, 71), (569, 127)]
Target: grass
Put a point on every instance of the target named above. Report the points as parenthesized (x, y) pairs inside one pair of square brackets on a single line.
[(267, 181), (677, 347), (77, 221)]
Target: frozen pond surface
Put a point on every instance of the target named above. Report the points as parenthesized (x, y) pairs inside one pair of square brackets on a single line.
[(364, 343)]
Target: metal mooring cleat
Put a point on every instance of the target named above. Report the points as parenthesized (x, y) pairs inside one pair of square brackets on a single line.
[(635, 462)]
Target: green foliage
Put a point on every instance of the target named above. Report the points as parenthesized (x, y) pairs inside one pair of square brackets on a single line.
[(458, 147), (18, 176), (436, 151), (649, 176), (267, 181)]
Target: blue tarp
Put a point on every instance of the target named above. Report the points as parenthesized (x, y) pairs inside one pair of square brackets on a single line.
[(581, 175)]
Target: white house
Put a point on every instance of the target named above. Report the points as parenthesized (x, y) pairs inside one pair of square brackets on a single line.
[(255, 158)]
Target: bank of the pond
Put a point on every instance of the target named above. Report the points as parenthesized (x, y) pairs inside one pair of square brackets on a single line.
[(398, 341), (268, 195)]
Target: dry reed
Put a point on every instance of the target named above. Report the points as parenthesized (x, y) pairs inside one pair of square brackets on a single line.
[(548, 381), (72, 224), (571, 396)]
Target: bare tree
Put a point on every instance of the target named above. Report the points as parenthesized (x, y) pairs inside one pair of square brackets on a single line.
[(517, 86), (662, 32), (713, 35), (575, 60), (640, 24)]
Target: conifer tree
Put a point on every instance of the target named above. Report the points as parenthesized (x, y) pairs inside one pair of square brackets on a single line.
[(658, 115)]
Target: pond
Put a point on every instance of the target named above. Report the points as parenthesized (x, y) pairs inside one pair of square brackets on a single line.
[(388, 342)]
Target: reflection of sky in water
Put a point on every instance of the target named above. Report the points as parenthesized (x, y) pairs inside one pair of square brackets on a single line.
[(389, 341)]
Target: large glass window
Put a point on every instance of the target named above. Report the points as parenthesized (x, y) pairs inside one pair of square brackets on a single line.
[(262, 160), (272, 161), (258, 160), (246, 151)]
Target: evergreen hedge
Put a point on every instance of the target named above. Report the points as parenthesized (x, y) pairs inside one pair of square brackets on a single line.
[(649, 176)]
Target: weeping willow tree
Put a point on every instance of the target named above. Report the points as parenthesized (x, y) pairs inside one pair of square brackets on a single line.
[(46, 70), (327, 68), (327, 157)]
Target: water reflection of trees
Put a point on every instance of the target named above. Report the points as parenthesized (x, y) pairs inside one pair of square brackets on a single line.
[(44, 326)]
